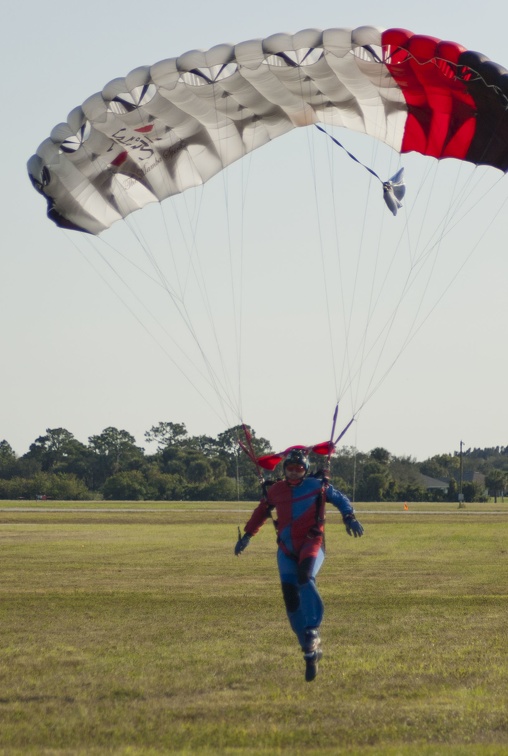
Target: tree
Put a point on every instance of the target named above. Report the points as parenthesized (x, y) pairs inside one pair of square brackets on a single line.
[(238, 465), (347, 466), (59, 486), (199, 471), (165, 487), (8, 460), (495, 481), (473, 492), (173, 461), (205, 444), (114, 451), (376, 483), (453, 490), (67, 487), (126, 486), (222, 489), (405, 470), (412, 492), (166, 434), (52, 449), (440, 466), (380, 455)]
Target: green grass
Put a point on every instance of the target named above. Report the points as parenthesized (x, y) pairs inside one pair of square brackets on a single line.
[(173, 506), (140, 632)]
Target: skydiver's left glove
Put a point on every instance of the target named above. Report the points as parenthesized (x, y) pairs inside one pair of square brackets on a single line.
[(242, 544), (353, 527)]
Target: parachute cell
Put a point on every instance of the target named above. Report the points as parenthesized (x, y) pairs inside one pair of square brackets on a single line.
[(172, 126)]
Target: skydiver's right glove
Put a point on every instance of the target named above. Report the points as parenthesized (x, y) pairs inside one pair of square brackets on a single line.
[(242, 544), (353, 527)]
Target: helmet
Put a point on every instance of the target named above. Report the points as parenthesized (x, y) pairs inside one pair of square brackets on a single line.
[(296, 457)]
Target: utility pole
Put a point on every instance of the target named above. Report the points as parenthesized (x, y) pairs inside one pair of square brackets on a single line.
[(461, 495)]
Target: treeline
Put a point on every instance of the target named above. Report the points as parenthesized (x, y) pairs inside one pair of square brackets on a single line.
[(200, 468)]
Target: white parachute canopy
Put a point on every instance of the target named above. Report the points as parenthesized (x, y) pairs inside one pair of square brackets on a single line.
[(169, 128)]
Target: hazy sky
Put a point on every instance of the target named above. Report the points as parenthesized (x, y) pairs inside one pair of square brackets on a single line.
[(79, 349)]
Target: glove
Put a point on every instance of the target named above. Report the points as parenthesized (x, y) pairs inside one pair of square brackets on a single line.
[(242, 544), (353, 527)]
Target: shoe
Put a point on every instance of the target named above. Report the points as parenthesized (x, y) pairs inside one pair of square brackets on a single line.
[(312, 653), (311, 664)]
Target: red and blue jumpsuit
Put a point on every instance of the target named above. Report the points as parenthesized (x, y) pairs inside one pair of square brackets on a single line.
[(300, 521)]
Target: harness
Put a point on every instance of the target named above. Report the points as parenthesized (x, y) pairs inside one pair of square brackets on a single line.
[(321, 503), (315, 530)]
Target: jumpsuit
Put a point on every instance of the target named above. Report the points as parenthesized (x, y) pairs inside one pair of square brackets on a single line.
[(300, 520)]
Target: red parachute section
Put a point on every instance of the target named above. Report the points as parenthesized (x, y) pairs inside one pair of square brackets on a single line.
[(456, 99)]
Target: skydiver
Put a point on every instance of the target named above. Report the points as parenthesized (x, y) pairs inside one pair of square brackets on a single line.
[(299, 501)]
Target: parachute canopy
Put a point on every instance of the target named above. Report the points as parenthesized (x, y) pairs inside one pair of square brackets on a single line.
[(173, 125)]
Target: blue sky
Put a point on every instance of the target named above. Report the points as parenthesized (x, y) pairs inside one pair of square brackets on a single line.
[(75, 356)]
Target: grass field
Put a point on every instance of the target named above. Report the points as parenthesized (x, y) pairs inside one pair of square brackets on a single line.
[(132, 629)]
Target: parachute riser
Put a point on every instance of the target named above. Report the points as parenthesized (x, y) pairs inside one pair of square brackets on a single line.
[(249, 451)]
